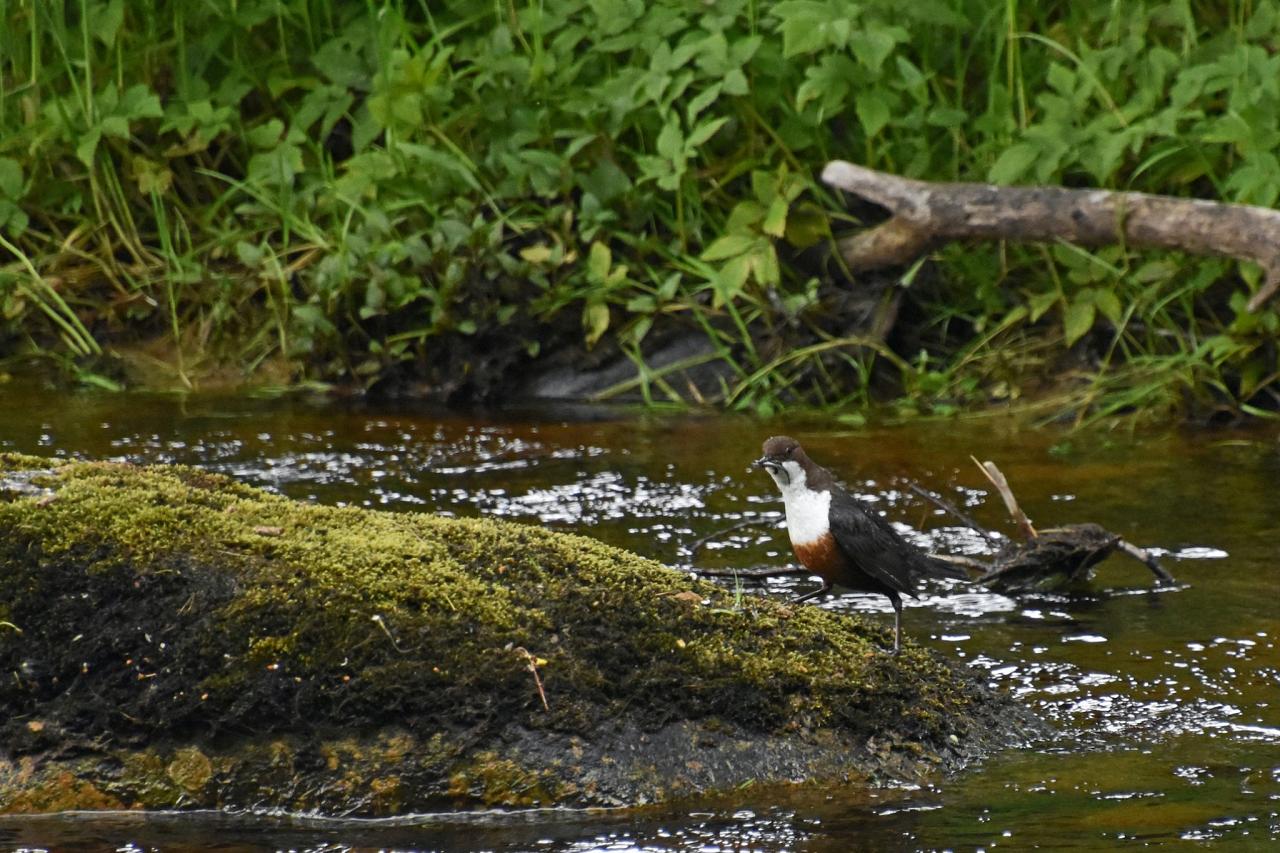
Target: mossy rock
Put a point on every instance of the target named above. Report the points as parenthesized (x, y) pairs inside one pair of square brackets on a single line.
[(169, 637)]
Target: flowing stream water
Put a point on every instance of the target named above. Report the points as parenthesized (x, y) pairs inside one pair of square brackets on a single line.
[(1166, 702)]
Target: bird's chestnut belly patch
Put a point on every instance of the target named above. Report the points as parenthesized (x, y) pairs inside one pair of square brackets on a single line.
[(820, 556)]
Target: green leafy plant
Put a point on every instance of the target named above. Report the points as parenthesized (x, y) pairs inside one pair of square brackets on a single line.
[(358, 193)]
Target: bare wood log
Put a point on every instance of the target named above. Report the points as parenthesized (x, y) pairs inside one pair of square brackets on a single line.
[(1055, 555), (926, 214)]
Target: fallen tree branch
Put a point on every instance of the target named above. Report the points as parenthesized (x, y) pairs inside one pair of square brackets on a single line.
[(927, 214)]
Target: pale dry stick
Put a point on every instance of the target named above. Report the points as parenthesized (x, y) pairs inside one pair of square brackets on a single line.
[(382, 623), (533, 667), (997, 479)]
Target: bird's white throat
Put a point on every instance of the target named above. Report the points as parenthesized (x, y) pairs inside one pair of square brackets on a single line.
[(807, 510)]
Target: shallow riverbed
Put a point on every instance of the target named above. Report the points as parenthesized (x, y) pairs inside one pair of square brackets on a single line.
[(1167, 702)]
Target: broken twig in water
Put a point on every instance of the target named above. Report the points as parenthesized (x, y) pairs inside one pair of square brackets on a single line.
[(1148, 559)]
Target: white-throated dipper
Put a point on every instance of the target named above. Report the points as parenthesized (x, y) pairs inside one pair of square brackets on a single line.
[(842, 540)]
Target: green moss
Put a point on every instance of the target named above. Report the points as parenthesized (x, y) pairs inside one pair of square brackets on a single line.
[(159, 604)]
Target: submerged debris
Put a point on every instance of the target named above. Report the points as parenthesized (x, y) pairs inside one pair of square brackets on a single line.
[(1043, 557)]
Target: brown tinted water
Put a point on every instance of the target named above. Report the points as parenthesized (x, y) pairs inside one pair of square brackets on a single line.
[(1167, 702)]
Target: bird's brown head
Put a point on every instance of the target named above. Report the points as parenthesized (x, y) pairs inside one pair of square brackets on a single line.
[(785, 460)]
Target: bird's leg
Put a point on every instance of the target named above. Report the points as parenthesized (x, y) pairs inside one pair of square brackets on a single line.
[(897, 623), (826, 586)]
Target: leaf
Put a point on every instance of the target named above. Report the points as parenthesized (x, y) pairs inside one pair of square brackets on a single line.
[(265, 135), (671, 181), (139, 102), (1108, 304), (735, 82), (364, 128), (701, 102), (807, 225), (636, 332), (729, 246), (615, 16), (873, 45), (598, 262), (277, 167), (13, 218), (946, 117), (764, 263), (606, 181), (595, 319), (89, 146), (802, 35), (249, 254), (1061, 78), (537, 254), (445, 163), (107, 20), (775, 221), (670, 285), (337, 60), (827, 82), (730, 280), (670, 140), (703, 132), (150, 176), (10, 178), (117, 126), (1078, 320), (1013, 163), (745, 217), (872, 111), (1040, 303)]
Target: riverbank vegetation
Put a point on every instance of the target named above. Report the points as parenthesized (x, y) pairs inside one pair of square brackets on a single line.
[(441, 194)]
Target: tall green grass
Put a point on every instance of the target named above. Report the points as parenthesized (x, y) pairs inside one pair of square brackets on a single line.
[(364, 192)]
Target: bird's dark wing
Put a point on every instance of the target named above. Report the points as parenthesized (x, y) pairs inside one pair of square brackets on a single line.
[(877, 549)]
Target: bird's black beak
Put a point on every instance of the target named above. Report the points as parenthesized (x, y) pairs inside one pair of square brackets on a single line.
[(775, 469)]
